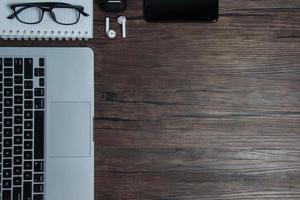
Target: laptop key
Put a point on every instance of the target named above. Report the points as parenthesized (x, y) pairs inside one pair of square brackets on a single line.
[(7, 173), (8, 132), (18, 120), (28, 104), (42, 82), (28, 135), (38, 166), (41, 72), (8, 82), (18, 99), (7, 143), (27, 165), (39, 178), (8, 92), (28, 115), (28, 145), (28, 125), (18, 79), (39, 134), (18, 68), (39, 103), (27, 176), (28, 94), (8, 72), (42, 62), (18, 160), (17, 170), (7, 163), (19, 109), (17, 193), (28, 84), (38, 197), (38, 188), (36, 72), (7, 153), (18, 140), (8, 62), (6, 195), (18, 62), (8, 112), (39, 92), (27, 190), (18, 130), (18, 150), (17, 180), (8, 102), (6, 183), (18, 89), (28, 66), (28, 155), (8, 122)]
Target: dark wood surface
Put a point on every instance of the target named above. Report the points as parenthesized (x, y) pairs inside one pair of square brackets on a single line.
[(198, 111)]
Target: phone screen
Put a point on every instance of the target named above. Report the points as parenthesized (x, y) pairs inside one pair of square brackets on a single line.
[(181, 10)]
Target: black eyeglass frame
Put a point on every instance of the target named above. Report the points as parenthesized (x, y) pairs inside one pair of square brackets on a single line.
[(46, 7)]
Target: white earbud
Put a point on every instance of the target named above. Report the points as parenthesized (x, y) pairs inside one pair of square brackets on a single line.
[(109, 32), (122, 21)]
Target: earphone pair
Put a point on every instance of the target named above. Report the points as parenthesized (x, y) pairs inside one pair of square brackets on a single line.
[(110, 33)]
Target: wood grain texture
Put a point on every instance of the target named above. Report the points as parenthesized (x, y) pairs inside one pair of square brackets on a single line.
[(199, 111)]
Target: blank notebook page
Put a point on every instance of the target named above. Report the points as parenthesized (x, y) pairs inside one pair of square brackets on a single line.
[(47, 29)]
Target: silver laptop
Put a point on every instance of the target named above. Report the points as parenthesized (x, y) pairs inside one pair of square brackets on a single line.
[(46, 126)]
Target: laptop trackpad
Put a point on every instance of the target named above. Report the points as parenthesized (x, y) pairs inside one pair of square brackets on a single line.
[(70, 130)]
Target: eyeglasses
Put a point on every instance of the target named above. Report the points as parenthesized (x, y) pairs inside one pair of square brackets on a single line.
[(61, 13)]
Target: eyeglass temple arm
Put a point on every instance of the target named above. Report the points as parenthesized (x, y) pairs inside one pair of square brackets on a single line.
[(84, 13), (15, 14), (11, 16)]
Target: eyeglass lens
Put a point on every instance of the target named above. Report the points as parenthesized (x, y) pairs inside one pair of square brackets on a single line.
[(66, 15), (29, 15)]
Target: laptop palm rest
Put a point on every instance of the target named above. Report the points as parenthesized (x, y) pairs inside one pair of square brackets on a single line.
[(69, 135)]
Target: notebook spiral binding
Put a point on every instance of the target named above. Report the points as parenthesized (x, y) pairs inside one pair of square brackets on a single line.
[(43, 35)]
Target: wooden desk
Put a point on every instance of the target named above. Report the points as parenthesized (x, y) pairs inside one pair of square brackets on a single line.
[(199, 111)]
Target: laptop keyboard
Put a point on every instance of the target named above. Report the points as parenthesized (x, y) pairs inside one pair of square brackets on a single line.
[(22, 100)]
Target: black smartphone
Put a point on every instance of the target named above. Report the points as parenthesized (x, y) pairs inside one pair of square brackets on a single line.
[(181, 10)]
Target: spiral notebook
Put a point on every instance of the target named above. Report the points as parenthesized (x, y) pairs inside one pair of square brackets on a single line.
[(47, 29)]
